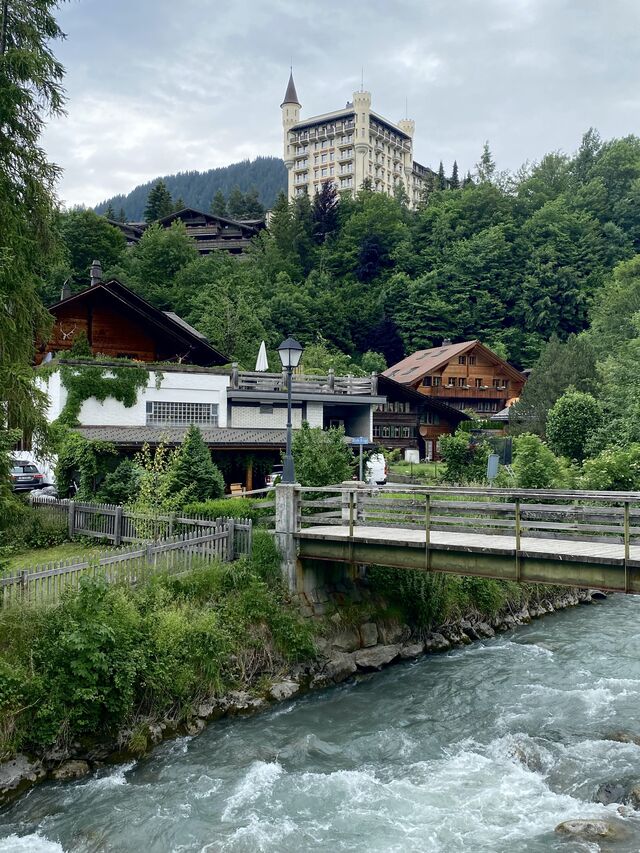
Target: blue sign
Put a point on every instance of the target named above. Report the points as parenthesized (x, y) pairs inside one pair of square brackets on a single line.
[(360, 439)]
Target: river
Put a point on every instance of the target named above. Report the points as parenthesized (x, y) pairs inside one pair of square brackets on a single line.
[(485, 748)]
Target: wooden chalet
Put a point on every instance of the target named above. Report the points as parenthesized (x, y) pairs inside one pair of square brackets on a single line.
[(119, 323), (209, 231), (465, 375), (410, 420)]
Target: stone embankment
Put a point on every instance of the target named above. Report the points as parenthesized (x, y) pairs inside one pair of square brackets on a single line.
[(347, 647)]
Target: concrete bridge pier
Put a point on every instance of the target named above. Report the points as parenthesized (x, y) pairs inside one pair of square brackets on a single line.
[(287, 525)]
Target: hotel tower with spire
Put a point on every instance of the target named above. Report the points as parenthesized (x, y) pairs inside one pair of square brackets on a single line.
[(349, 146)]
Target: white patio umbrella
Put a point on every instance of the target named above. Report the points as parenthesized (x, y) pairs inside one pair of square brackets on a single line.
[(261, 362)]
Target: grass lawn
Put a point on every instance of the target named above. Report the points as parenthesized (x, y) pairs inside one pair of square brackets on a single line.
[(427, 472), (38, 556)]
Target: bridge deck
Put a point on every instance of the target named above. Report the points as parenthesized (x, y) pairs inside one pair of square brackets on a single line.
[(562, 549)]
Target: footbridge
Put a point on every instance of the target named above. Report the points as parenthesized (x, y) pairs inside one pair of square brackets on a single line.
[(572, 538)]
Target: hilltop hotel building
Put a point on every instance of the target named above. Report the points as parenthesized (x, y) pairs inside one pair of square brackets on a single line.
[(347, 146)]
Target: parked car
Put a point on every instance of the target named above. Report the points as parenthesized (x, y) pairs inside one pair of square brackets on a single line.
[(376, 470), (25, 476), (274, 477)]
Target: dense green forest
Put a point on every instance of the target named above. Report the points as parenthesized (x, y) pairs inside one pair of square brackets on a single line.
[(267, 175), (510, 259)]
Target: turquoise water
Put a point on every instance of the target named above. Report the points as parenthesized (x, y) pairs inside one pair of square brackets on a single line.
[(485, 748)]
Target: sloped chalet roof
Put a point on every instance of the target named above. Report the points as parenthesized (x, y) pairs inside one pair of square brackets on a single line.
[(166, 323), (187, 212), (416, 366), (388, 386)]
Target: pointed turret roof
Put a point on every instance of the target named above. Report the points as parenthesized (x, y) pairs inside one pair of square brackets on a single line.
[(291, 96)]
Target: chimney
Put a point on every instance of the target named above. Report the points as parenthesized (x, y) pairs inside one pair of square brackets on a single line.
[(96, 273), (446, 342), (65, 293)]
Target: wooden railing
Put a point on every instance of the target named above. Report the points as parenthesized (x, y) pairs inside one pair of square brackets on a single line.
[(244, 380), (44, 584), (612, 517)]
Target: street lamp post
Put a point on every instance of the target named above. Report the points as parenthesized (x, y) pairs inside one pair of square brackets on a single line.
[(290, 352)]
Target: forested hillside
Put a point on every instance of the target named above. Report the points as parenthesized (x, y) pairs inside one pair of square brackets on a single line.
[(510, 259), (267, 175)]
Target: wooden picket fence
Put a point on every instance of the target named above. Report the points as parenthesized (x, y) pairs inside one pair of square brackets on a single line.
[(217, 541), (117, 525)]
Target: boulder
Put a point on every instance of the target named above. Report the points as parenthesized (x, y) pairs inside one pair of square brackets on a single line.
[(611, 792), (205, 710), (632, 797), (18, 774), (393, 632), (284, 690), (376, 657), (484, 630), (368, 634), (624, 737), (156, 733), (436, 643), (71, 770), (523, 617), (194, 727), (339, 668), (346, 641), (411, 650), (589, 829)]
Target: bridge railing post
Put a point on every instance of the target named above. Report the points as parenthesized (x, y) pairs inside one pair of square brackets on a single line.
[(518, 539), (427, 531), (287, 525), (627, 543)]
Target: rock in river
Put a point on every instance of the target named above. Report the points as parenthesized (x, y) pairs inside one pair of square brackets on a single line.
[(590, 829), (377, 657), (71, 770)]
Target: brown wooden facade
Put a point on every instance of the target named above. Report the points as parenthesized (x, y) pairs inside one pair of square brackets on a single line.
[(466, 375), (120, 324), (409, 421)]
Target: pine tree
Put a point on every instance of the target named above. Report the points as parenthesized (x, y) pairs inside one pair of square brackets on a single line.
[(179, 205), (253, 209), (454, 180), (219, 204), (325, 212), (109, 213), (442, 181), (30, 89), (159, 202), (236, 204), (486, 167), (122, 216), (193, 470), (468, 180)]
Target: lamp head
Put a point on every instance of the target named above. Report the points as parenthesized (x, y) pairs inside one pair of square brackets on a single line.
[(290, 352)]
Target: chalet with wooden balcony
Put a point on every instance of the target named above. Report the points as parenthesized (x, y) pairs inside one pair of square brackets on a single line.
[(408, 420), (210, 232), (465, 375)]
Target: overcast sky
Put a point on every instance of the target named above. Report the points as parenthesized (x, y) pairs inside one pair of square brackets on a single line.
[(160, 86)]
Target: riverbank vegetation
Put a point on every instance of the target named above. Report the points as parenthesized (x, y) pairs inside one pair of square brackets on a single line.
[(110, 657)]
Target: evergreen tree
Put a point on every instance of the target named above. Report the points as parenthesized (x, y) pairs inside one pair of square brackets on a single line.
[(486, 167), (219, 204), (253, 209), (159, 202), (86, 237), (192, 471), (468, 180), (30, 88), (442, 180), (109, 213), (325, 212), (122, 216), (179, 205), (236, 203), (454, 180)]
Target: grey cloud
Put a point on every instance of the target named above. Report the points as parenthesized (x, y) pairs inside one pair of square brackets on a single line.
[(157, 86)]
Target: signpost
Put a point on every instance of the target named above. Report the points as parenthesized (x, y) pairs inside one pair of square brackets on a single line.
[(360, 441)]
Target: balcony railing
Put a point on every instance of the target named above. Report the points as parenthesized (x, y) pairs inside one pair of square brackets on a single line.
[(455, 391), (360, 386)]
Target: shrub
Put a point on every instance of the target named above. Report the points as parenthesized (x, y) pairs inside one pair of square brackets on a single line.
[(32, 527), (613, 470), (321, 457), (122, 485), (229, 507), (466, 459), (192, 470), (571, 422), (536, 467)]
